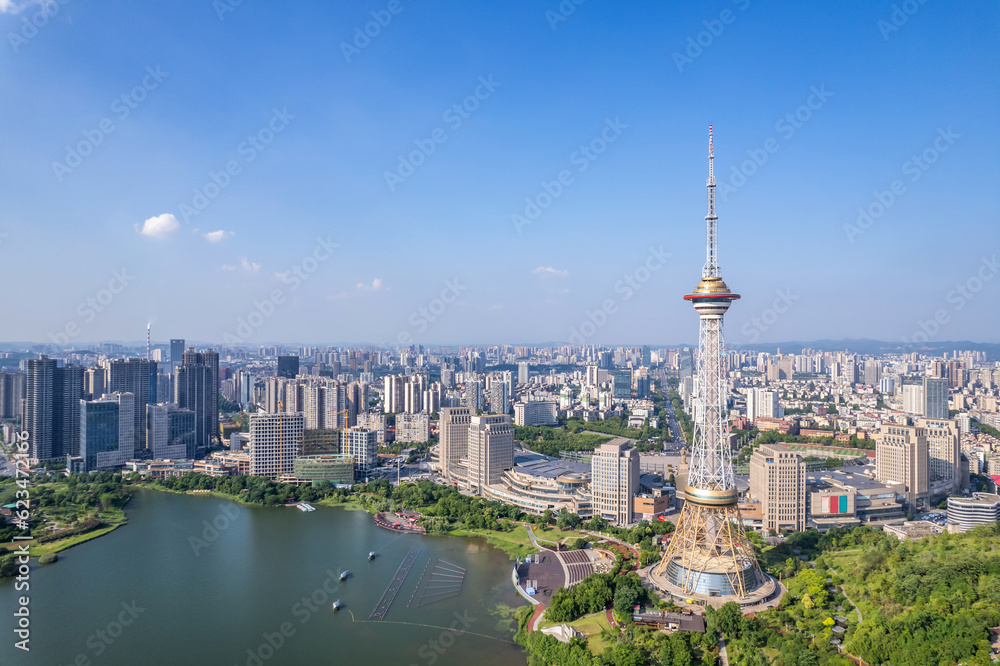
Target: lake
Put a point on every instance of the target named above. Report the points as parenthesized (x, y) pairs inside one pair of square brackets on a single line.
[(201, 580)]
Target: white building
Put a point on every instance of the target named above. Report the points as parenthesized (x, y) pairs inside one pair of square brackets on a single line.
[(491, 450), (413, 428), (764, 403), (363, 445), (536, 413), (614, 480), (274, 443)]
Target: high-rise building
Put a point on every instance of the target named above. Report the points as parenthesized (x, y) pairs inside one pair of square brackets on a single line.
[(473, 398), (275, 441), (709, 554), (68, 391), (935, 395), (413, 428), (362, 444), (51, 408), (138, 377), (12, 392), (943, 454), (778, 482), (913, 398), (614, 480), (491, 450), (522, 372), (170, 431), (764, 403), (621, 383), (901, 457), (106, 438), (288, 366), (176, 353), (393, 399), (454, 434), (39, 407), (196, 387)]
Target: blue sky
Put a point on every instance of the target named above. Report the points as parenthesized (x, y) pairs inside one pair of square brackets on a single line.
[(331, 121)]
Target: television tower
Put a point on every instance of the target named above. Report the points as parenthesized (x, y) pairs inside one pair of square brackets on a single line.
[(709, 554)]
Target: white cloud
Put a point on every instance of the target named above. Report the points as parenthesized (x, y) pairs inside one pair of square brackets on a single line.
[(220, 235), (160, 226), (338, 296), (246, 266), (376, 285), (13, 7), (548, 271)]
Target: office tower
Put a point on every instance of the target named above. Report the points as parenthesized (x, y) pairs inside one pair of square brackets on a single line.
[(943, 454), (873, 372), (196, 387), (935, 395), (522, 372), (176, 353), (357, 401), (12, 391), (245, 389), (605, 360), (192, 385), (778, 481), (454, 433), (491, 450), (901, 457), (614, 480), (621, 384), (39, 407), (536, 413), (709, 553), (448, 375), (67, 393), (508, 379), (647, 357), (170, 431), (288, 366), (275, 440), (106, 437), (138, 377), (362, 444)]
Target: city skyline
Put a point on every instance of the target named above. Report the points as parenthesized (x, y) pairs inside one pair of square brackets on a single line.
[(304, 206)]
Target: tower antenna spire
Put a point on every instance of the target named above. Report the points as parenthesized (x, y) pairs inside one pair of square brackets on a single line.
[(147, 340), (712, 260)]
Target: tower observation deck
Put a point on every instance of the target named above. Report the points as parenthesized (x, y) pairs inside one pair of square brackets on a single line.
[(709, 556)]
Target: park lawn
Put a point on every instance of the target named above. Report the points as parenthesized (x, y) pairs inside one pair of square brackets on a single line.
[(554, 534), (63, 544), (515, 543), (590, 626)]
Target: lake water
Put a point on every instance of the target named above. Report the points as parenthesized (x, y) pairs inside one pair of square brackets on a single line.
[(257, 591)]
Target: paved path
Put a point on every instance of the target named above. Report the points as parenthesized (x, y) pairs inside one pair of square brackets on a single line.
[(722, 651), (534, 542), (856, 609)]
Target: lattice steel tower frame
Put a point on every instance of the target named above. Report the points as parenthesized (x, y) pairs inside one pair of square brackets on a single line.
[(709, 552)]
